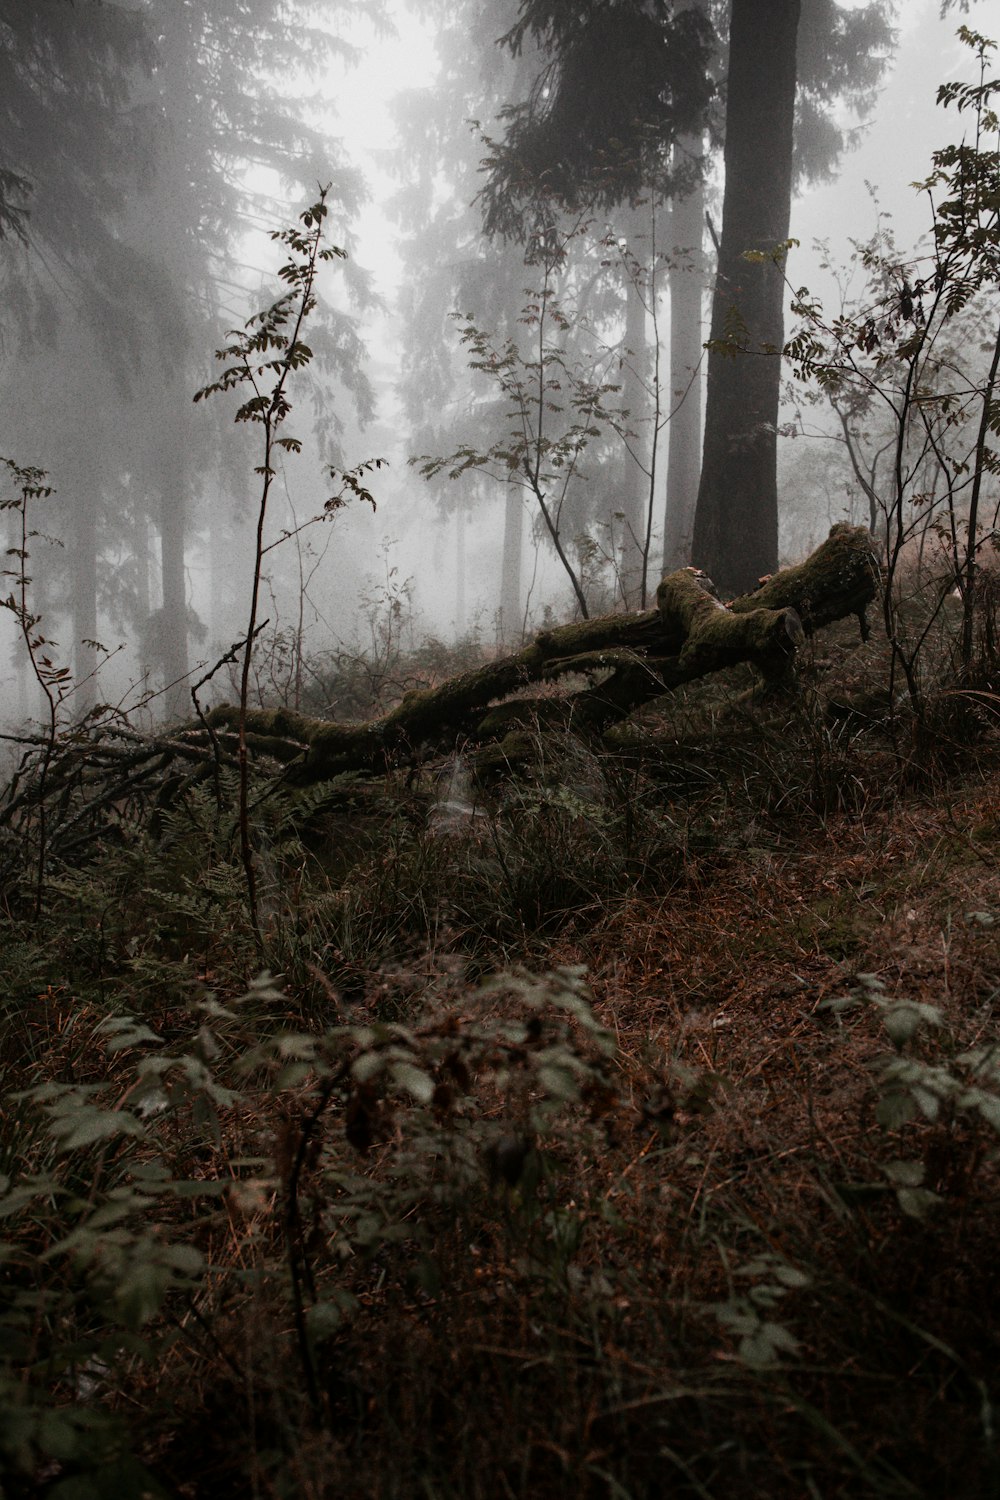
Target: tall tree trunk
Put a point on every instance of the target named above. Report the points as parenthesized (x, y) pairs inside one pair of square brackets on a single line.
[(222, 547), (635, 398), (511, 622), (142, 605), (736, 524), (686, 281)]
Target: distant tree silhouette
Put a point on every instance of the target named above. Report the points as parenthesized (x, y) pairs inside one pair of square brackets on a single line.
[(587, 134), (125, 139)]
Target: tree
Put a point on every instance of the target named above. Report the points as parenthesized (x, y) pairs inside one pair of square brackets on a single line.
[(448, 265), (918, 364), (593, 155), (554, 408), (781, 80), (686, 282), (136, 128), (621, 85), (736, 522), (65, 165), (619, 82)]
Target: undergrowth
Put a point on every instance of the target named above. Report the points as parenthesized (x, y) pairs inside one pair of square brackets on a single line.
[(628, 1130)]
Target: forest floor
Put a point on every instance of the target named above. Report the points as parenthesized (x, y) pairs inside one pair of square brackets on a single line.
[(699, 1197)]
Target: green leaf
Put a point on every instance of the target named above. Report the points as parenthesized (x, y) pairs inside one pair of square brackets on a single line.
[(904, 1018), (558, 1081), (988, 1108), (895, 1110), (414, 1080), (122, 1478), (291, 1076), (761, 1348), (904, 1173), (928, 1102), (917, 1202), (367, 1066), (325, 1318), (87, 1125), (140, 1292), (791, 1276)]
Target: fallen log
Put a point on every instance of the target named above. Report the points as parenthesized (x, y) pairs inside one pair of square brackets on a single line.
[(626, 660)]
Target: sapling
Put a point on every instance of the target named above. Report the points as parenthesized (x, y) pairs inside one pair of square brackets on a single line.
[(555, 406), (914, 352), (263, 356), (53, 679)]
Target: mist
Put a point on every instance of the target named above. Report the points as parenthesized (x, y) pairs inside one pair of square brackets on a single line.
[(133, 244)]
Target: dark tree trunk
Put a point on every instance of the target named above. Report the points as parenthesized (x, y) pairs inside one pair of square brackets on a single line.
[(736, 525), (636, 399), (687, 274)]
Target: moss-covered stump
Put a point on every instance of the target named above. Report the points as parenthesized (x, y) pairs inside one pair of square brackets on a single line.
[(716, 637), (626, 660), (840, 578)]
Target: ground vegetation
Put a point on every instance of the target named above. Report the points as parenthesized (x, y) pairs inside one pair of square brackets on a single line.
[(648, 1092)]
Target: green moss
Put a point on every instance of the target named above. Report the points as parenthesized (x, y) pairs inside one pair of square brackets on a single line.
[(838, 925), (840, 578), (523, 713)]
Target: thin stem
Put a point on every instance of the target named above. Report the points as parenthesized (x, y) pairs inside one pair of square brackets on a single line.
[(272, 417), (977, 482), (48, 749)]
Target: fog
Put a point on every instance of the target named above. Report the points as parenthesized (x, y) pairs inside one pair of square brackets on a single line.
[(149, 152)]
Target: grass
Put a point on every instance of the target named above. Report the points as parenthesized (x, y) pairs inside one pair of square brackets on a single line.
[(381, 1227)]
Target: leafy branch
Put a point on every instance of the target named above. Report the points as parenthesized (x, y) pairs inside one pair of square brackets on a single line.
[(51, 678), (262, 357), (554, 411)]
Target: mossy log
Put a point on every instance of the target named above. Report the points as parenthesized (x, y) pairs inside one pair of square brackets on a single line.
[(840, 578), (626, 660)]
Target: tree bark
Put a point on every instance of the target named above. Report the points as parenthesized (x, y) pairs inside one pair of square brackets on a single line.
[(636, 401), (736, 525), (174, 639), (86, 507), (686, 279)]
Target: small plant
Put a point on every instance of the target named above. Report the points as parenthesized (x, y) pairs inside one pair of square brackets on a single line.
[(751, 1314), (54, 680), (963, 1089), (452, 1103), (387, 1137), (95, 1260), (264, 356), (899, 369), (556, 405)]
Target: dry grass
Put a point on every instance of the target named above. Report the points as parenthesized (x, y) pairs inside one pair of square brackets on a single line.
[(576, 1326), (742, 1126)]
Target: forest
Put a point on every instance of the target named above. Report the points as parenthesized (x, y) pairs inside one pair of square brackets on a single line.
[(509, 1008)]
